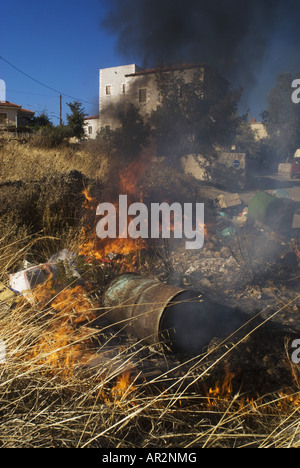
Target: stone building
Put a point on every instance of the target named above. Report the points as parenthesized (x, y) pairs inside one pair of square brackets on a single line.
[(130, 84), (124, 85)]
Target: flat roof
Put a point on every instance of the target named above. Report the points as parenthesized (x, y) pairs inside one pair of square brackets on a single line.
[(183, 66)]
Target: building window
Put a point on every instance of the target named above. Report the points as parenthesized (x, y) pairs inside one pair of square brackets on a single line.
[(90, 129), (3, 118), (143, 95), (124, 88), (108, 90)]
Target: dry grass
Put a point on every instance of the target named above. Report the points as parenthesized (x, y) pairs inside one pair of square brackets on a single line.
[(50, 398), (26, 162)]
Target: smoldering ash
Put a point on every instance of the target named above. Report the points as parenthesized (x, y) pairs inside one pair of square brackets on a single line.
[(184, 221)]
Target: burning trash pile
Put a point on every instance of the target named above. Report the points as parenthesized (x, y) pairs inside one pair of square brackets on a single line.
[(165, 298)]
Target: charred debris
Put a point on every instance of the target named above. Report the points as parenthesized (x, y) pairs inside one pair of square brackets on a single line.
[(238, 295)]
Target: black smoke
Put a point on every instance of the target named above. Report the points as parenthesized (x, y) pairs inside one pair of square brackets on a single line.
[(232, 35)]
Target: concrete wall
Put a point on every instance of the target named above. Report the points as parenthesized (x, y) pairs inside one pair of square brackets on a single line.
[(229, 170), (91, 127), (197, 166), (284, 168), (259, 130), (147, 81), (137, 87), (121, 86), (112, 97), (14, 116), (11, 115)]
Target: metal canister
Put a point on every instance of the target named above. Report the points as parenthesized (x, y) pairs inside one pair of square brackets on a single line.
[(138, 304), (155, 312)]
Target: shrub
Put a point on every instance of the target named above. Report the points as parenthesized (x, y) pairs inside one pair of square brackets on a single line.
[(51, 137)]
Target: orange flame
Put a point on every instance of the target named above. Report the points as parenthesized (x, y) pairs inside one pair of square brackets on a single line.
[(287, 400), (94, 247), (131, 175), (63, 344), (221, 391), (122, 387)]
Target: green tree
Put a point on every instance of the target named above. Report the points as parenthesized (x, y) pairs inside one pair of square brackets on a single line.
[(127, 140), (76, 118), (199, 116), (170, 123), (42, 120), (282, 119), (133, 132), (245, 139)]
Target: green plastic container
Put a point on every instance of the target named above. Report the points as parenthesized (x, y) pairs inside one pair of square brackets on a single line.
[(276, 213)]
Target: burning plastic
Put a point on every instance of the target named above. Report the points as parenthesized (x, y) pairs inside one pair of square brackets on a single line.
[(29, 278)]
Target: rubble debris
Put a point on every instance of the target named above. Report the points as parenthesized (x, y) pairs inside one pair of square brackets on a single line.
[(228, 200), (239, 219), (242, 217), (27, 279), (6, 294), (23, 281), (228, 232), (280, 193), (68, 260), (284, 168)]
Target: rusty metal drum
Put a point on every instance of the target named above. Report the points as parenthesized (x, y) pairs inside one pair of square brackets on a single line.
[(155, 313), (138, 304)]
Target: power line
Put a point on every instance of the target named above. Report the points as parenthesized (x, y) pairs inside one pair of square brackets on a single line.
[(33, 94), (42, 84)]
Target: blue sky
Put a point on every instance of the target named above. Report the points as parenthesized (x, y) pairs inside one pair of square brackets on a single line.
[(61, 44)]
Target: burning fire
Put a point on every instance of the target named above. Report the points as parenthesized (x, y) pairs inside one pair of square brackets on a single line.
[(93, 247), (63, 343), (217, 397), (131, 175), (221, 391), (66, 341), (123, 387), (100, 249), (97, 248)]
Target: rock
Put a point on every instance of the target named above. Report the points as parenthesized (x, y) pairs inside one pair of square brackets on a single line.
[(190, 270)]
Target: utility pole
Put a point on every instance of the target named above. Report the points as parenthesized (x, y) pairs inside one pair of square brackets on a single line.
[(60, 110)]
